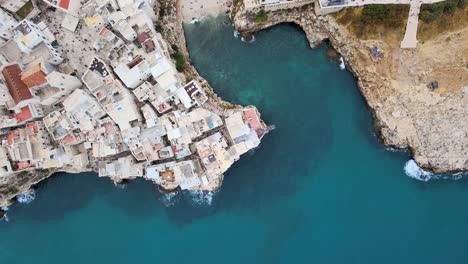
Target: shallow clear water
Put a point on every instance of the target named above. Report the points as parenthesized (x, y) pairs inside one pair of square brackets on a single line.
[(320, 189)]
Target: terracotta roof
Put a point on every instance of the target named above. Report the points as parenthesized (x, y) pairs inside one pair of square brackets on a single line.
[(24, 115), (33, 127), (142, 37), (103, 31), (11, 136), (134, 62), (251, 117), (33, 76), (64, 4), (22, 165), (18, 90), (149, 46)]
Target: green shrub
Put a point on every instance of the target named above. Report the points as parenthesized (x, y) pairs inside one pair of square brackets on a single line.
[(427, 16), (431, 12), (158, 28), (180, 61), (261, 16), (387, 15), (375, 12), (381, 12), (451, 6), (438, 8)]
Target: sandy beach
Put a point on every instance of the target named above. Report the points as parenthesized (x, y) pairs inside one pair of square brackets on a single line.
[(196, 9)]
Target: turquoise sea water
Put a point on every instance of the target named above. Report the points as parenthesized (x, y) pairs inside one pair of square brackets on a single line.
[(320, 189)]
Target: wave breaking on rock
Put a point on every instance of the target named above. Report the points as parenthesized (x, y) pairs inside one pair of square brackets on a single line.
[(26, 198), (169, 198), (3, 214), (414, 171), (342, 64), (201, 198), (248, 40)]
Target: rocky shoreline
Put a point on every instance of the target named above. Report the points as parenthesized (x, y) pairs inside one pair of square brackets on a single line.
[(20, 184), (397, 107)]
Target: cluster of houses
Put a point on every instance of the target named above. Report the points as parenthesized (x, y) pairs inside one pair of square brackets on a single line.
[(128, 114)]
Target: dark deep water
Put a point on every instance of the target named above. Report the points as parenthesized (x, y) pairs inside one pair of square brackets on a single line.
[(320, 189)]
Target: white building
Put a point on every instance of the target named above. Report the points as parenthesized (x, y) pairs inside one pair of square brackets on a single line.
[(123, 168), (116, 100), (20, 116), (7, 25), (68, 6), (28, 37), (45, 82), (84, 109), (5, 164)]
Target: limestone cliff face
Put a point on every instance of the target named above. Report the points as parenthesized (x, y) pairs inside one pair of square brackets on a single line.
[(433, 124)]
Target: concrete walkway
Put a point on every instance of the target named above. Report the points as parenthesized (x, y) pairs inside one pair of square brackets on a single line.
[(410, 41)]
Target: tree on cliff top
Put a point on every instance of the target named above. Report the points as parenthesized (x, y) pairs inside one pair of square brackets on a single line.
[(431, 12)]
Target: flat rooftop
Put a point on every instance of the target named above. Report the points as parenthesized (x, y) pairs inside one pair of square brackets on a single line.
[(99, 67)]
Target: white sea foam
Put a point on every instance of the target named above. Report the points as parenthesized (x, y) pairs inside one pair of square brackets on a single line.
[(201, 198), (194, 21), (414, 171), (236, 34), (458, 176), (26, 198), (169, 198), (4, 218), (252, 40), (120, 185), (342, 64), (394, 149)]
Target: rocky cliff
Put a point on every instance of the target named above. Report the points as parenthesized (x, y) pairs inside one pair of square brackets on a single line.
[(431, 123)]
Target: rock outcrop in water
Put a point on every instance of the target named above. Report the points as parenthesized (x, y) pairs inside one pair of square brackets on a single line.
[(432, 124)]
